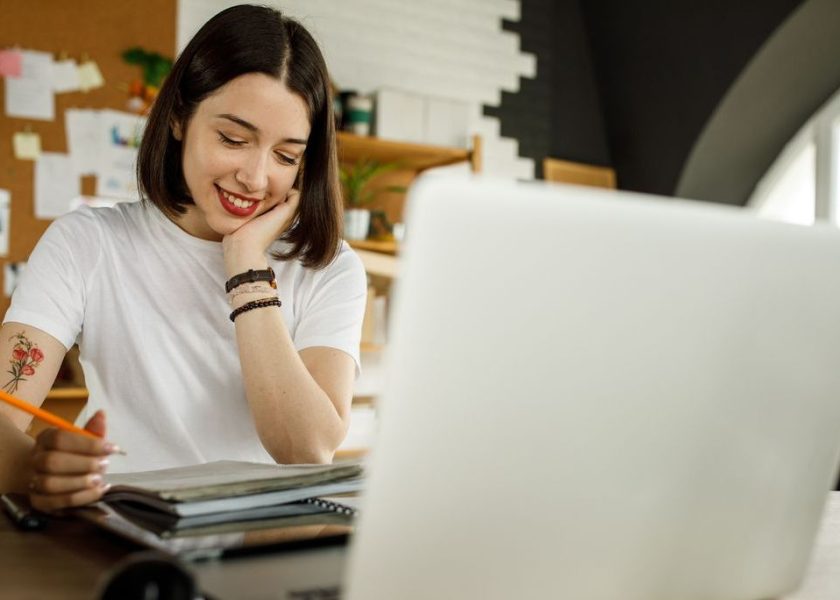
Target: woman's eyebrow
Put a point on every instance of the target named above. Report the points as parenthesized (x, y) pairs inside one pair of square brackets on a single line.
[(253, 128)]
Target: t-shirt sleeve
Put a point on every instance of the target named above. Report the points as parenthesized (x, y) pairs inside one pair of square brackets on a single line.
[(50, 293), (333, 312)]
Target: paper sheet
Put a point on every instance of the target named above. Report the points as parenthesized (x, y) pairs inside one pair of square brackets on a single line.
[(83, 139), (56, 185), (65, 76), (120, 135), (10, 63), (11, 274), (30, 96), (26, 145), (90, 76), (5, 213)]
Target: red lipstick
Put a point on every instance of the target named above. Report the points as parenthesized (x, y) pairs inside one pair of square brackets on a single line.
[(232, 208)]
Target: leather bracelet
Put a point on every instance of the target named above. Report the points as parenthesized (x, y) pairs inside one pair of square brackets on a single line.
[(255, 304), (250, 276)]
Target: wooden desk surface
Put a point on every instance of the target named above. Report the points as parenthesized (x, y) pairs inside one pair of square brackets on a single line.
[(67, 560), (70, 560)]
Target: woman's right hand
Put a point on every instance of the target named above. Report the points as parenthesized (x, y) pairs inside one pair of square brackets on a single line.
[(68, 468)]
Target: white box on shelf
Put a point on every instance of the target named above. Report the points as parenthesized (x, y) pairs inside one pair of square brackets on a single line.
[(446, 122), (399, 116)]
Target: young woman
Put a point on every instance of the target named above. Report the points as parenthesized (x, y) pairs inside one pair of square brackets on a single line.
[(220, 318)]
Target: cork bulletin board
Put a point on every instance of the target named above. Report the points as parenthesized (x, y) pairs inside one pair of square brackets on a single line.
[(97, 29)]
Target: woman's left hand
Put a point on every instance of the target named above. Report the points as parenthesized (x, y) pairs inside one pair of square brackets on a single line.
[(250, 242)]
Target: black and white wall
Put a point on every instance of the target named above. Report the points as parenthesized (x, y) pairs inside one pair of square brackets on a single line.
[(448, 49), (626, 84)]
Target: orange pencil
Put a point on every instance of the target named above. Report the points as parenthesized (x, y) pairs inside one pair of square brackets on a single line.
[(47, 417)]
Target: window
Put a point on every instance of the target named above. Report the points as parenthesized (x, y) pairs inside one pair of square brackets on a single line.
[(790, 188), (801, 185)]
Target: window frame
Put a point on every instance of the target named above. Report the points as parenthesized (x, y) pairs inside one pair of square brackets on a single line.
[(823, 131)]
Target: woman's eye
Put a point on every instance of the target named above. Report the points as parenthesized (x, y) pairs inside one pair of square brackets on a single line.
[(229, 142), (287, 160)]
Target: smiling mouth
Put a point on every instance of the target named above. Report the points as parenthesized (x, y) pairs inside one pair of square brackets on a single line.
[(236, 205)]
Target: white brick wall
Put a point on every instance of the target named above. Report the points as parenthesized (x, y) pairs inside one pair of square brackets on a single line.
[(445, 48)]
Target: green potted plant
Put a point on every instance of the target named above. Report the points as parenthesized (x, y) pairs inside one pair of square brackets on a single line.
[(358, 193)]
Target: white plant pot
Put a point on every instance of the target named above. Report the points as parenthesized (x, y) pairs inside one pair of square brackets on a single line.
[(356, 223)]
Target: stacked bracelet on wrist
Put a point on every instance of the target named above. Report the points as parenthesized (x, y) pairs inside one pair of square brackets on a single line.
[(250, 288), (255, 304), (250, 276), (248, 282)]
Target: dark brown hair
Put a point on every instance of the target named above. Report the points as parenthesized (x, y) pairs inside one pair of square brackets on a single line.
[(250, 39)]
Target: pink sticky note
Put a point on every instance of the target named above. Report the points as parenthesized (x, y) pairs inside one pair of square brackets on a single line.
[(10, 63)]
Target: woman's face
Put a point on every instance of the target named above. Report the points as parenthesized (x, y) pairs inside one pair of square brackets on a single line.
[(242, 150)]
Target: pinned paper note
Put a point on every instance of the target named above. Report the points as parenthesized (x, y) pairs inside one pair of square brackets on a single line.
[(56, 185), (104, 143), (65, 76), (27, 145), (5, 206), (30, 96), (90, 77), (116, 174), (83, 139), (10, 63), (11, 274)]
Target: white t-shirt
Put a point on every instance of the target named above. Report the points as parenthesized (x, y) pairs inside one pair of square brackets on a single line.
[(146, 303)]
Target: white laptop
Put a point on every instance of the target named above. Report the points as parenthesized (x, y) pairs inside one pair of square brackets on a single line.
[(601, 395)]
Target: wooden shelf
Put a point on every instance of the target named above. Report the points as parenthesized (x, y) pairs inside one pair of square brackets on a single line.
[(351, 453), (416, 157), (384, 247), (380, 264), (67, 393)]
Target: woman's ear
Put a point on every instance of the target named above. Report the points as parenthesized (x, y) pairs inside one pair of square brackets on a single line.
[(177, 132)]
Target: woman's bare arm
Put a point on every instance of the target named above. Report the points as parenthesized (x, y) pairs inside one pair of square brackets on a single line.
[(32, 359)]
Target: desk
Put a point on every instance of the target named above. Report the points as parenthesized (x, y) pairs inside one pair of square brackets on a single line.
[(70, 560)]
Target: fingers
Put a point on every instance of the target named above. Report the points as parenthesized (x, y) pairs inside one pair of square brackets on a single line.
[(45, 485), (52, 462), (54, 502), (96, 424), (292, 197), (66, 441), (68, 467)]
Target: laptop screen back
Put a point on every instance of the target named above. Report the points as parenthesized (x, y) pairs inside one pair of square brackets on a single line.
[(601, 395)]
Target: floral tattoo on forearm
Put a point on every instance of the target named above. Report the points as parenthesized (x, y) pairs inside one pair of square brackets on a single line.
[(26, 356)]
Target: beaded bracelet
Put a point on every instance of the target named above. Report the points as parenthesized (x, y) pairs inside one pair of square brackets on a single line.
[(255, 304)]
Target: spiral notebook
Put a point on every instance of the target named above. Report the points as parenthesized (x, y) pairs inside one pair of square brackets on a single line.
[(166, 524), (312, 522), (227, 506)]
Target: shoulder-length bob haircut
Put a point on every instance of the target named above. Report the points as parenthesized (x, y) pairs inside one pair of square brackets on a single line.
[(240, 40)]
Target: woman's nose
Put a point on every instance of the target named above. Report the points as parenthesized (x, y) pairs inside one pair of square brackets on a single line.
[(253, 173)]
